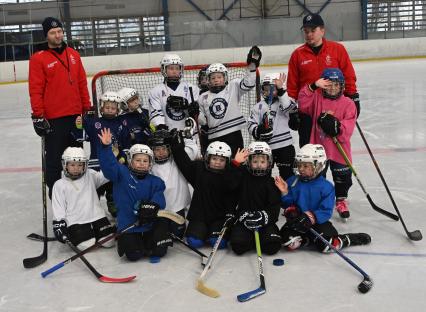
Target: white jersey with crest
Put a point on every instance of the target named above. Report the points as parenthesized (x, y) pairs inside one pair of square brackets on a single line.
[(76, 201), (221, 111), (278, 117), (160, 113), (177, 191)]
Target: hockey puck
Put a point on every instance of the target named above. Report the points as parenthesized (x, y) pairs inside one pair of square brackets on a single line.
[(154, 259), (278, 262)]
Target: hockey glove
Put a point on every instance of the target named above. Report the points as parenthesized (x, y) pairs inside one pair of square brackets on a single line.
[(148, 212), (194, 109), (291, 212), (254, 56), (329, 124), (41, 125), (355, 98), (262, 133), (229, 218), (60, 230), (176, 138), (177, 102), (254, 220), (294, 119), (302, 223)]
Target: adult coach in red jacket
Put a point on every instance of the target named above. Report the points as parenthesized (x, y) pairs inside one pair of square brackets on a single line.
[(58, 93), (307, 63)]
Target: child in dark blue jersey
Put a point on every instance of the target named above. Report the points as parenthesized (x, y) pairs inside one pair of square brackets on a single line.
[(138, 196), (308, 200), (134, 117), (92, 126)]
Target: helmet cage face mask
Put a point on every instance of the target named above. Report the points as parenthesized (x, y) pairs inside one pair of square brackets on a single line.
[(171, 59), (159, 139), (259, 148), (74, 154), (268, 85)]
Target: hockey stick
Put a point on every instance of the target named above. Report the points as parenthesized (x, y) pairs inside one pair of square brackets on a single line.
[(415, 235), (191, 93), (373, 205), (262, 288), (367, 283), (40, 238), (201, 287), (35, 261), (180, 240), (99, 276), (162, 213)]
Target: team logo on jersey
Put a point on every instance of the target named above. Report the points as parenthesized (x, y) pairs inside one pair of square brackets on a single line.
[(306, 62), (174, 114), (72, 58), (328, 60), (218, 108), (50, 65), (98, 125)]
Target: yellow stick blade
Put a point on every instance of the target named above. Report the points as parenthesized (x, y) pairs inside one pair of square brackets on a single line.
[(202, 288)]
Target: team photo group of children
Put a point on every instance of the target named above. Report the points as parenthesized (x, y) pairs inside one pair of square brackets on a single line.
[(184, 152)]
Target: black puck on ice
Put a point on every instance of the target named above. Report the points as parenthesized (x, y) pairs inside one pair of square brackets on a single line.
[(278, 262)]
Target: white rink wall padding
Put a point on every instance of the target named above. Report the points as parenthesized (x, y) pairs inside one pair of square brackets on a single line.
[(272, 55), (393, 118)]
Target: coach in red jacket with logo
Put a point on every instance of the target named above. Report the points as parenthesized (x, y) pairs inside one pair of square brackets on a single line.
[(58, 93), (307, 63)]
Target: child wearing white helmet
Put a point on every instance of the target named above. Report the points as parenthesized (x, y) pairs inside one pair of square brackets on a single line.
[(269, 122), (138, 196), (219, 107), (77, 214), (308, 200)]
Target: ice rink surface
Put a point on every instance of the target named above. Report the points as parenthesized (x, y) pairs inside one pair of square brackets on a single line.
[(393, 118)]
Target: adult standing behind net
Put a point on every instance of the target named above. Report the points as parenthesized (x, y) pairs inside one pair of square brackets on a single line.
[(307, 63), (58, 93)]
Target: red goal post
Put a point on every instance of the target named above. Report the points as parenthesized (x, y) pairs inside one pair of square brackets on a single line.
[(144, 79)]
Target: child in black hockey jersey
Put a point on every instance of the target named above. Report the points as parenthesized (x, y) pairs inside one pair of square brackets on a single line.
[(215, 195), (308, 201), (133, 116), (269, 122), (77, 213), (259, 203), (219, 107)]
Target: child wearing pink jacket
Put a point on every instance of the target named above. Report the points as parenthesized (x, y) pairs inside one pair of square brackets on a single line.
[(333, 115)]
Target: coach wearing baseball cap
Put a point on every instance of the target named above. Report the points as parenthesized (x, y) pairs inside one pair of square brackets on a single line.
[(307, 63), (58, 94)]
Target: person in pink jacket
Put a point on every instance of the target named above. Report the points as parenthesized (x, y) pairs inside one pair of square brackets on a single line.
[(335, 116)]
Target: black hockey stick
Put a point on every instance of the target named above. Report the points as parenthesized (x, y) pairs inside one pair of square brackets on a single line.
[(35, 261), (180, 240), (373, 205), (367, 283), (415, 235), (99, 276), (40, 238), (262, 288), (90, 248)]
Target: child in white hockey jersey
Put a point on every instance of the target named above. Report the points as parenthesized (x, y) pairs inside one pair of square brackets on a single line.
[(269, 122), (177, 194), (77, 213), (170, 102), (219, 107)]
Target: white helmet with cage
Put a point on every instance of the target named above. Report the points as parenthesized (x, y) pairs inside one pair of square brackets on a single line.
[(140, 149), (126, 94), (257, 148), (74, 154), (314, 154), (217, 148), (171, 59), (218, 68), (112, 97)]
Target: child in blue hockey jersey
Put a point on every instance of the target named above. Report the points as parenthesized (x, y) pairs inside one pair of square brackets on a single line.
[(138, 196), (308, 201), (133, 116)]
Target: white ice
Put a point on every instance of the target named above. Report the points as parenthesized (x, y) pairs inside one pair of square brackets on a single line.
[(393, 118)]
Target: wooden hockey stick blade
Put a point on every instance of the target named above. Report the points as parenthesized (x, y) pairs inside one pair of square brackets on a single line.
[(171, 215), (202, 288), (40, 238), (251, 294)]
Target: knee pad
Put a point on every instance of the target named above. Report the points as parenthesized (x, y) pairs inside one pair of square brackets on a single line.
[(86, 244), (222, 245), (194, 242)]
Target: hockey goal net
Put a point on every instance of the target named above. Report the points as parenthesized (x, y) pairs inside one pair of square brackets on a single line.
[(145, 79)]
